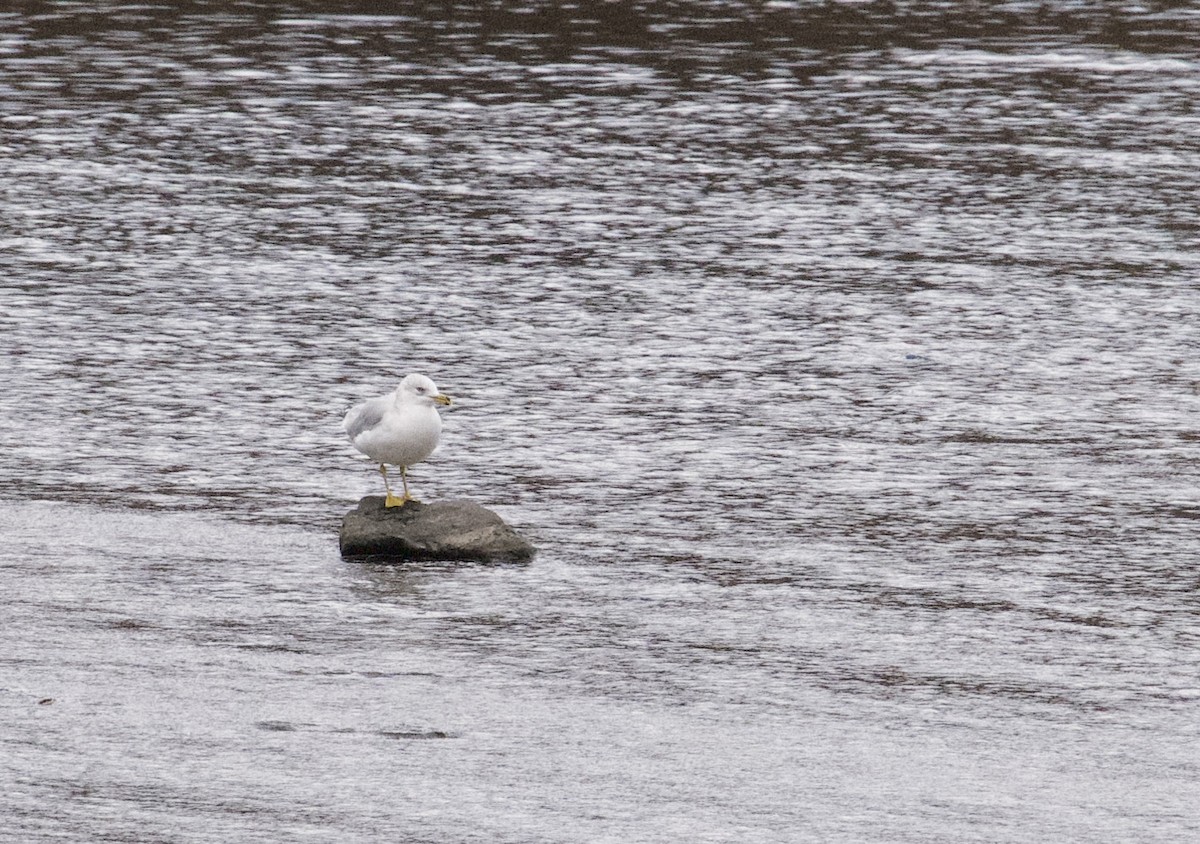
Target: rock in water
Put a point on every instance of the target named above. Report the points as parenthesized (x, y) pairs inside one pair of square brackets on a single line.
[(444, 530)]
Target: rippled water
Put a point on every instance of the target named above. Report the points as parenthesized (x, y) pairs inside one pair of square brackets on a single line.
[(841, 363)]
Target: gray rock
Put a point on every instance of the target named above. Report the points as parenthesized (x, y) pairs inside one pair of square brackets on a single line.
[(444, 530)]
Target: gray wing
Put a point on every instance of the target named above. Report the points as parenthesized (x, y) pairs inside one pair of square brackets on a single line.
[(365, 416)]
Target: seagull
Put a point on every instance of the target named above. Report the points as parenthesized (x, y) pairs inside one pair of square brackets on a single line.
[(401, 428)]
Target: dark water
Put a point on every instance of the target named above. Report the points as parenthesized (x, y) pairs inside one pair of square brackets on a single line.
[(841, 359)]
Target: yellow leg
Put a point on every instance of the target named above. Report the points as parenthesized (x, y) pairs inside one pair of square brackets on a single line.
[(404, 480), (391, 500)]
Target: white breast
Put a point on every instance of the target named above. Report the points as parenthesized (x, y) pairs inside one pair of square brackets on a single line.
[(406, 434)]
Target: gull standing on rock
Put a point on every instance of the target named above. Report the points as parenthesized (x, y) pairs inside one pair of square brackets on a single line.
[(401, 428)]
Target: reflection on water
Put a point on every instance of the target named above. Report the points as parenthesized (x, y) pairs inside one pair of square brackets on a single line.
[(839, 358)]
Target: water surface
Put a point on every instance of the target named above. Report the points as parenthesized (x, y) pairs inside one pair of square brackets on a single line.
[(843, 367)]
